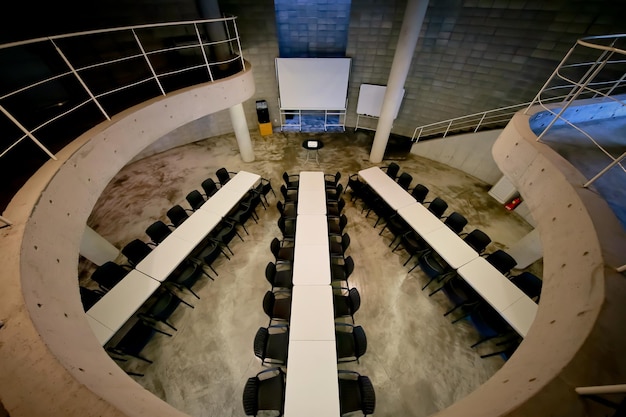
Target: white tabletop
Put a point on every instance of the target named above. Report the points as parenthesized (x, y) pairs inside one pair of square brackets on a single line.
[(311, 229), (521, 314), (312, 314), (450, 246), (122, 301), (222, 202), (396, 196), (164, 258), (311, 180), (312, 383), (197, 226), (311, 265), (420, 218), (103, 333), (500, 293), (241, 182)]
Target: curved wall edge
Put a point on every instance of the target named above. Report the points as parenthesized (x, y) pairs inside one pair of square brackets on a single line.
[(52, 363)]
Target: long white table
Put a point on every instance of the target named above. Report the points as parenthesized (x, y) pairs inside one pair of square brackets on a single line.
[(450, 246), (506, 298), (312, 385), (420, 218), (312, 388), (110, 313), (119, 304), (387, 188), (311, 193)]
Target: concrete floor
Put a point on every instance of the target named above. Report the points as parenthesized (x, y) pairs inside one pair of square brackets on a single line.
[(418, 361)]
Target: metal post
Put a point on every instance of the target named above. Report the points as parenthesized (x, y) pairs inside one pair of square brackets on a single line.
[(609, 166), (143, 52), (206, 60), (27, 133), (447, 129), (601, 389), (480, 122), (80, 80), (243, 63), (5, 221)]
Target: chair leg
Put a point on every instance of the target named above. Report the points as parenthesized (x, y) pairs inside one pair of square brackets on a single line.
[(453, 309), (437, 290), (427, 284), (214, 271), (382, 230), (407, 261)]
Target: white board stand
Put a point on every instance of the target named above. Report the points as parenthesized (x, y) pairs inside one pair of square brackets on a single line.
[(370, 104)]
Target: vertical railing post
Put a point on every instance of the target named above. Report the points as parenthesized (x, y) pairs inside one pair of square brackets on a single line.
[(80, 80), (243, 63), (447, 129), (206, 60), (480, 122), (145, 56)]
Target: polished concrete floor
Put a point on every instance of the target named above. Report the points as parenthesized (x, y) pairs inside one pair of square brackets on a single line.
[(418, 361)]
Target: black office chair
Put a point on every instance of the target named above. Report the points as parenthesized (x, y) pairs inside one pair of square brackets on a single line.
[(289, 196), (391, 170), (223, 175), (502, 261), (186, 274), (244, 212), (109, 274), (491, 325), (404, 180), (266, 187), (334, 194), (163, 307), (195, 199), (413, 244), (356, 393), (529, 283), (336, 226), (135, 251), (420, 192), (279, 278), (265, 392), (277, 306), (438, 206), (331, 181), (133, 342), (210, 187), (396, 225), (338, 248), (350, 341), (381, 208), (478, 240), (342, 272), (177, 215), (223, 234), (335, 208), (89, 297), (346, 302), (291, 181), (281, 253), (356, 186), (287, 228), (209, 254), (456, 222), (158, 231), (271, 344), (286, 210)]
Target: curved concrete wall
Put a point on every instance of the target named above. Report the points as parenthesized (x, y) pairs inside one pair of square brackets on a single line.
[(51, 362), (576, 338)]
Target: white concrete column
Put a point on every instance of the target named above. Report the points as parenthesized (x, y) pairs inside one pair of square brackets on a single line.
[(242, 133), (96, 248), (409, 33)]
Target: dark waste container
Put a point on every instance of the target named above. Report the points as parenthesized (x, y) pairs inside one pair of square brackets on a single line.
[(262, 112)]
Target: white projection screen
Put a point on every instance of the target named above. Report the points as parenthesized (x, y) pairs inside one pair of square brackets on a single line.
[(313, 83)]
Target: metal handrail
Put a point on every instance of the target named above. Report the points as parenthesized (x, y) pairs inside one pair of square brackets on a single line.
[(231, 41)]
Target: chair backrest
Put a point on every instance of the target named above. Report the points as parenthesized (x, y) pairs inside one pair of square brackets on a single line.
[(286, 178), (368, 395), (89, 297), (275, 246), (340, 205), (260, 342), (195, 199), (266, 186), (270, 272), (337, 178), (502, 261), (281, 207), (108, 274), (419, 193), (355, 299), (360, 341), (529, 283), (343, 221), (478, 240), (404, 180), (338, 191), (209, 186), (158, 231), (223, 176), (456, 221), (438, 206), (265, 394), (177, 215), (392, 170), (135, 251), (345, 243), (349, 266), (268, 303)]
